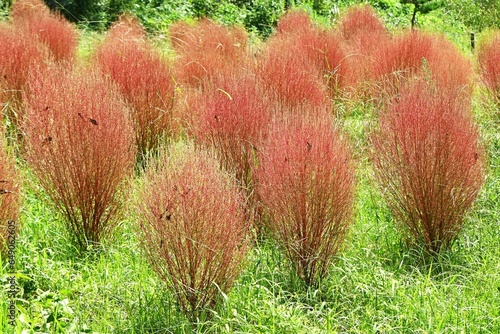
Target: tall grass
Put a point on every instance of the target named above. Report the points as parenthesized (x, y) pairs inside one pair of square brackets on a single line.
[(10, 199)]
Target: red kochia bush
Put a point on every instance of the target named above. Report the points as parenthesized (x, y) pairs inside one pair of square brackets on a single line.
[(206, 48), (306, 183), (231, 115), (145, 80), (18, 54), (416, 53), (362, 32), (489, 61), (60, 36), (360, 22), (193, 227), (299, 37), (290, 79), (10, 200), (429, 163), (295, 21), (80, 146)]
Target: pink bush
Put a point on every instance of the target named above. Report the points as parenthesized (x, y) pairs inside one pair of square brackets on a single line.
[(18, 55), (79, 142), (60, 36), (193, 227), (231, 115), (488, 57), (145, 79), (294, 22), (429, 163), (362, 27), (290, 79), (205, 49), (298, 37), (416, 53), (306, 183), (362, 32)]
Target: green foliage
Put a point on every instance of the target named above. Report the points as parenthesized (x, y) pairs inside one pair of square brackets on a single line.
[(95, 14), (478, 14), (262, 15), (4, 7)]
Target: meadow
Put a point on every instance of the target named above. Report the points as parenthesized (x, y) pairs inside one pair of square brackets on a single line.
[(330, 178)]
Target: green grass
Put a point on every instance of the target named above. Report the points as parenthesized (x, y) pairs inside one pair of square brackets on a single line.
[(377, 285)]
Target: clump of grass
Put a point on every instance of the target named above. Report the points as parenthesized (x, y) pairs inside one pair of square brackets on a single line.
[(193, 227), (79, 140)]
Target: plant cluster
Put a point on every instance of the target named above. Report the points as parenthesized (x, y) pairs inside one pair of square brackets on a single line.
[(193, 225), (306, 183), (79, 140), (488, 56), (39, 23), (145, 80), (264, 141), (429, 163)]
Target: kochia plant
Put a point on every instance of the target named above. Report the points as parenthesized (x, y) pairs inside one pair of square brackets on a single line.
[(428, 162), (306, 183), (205, 49), (145, 79), (10, 199), (18, 54), (193, 227), (299, 37), (363, 33), (416, 53), (231, 115), (489, 61), (51, 29), (80, 146), (291, 80)]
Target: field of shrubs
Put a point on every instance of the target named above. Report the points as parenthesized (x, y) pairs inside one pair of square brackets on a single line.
[(327, 179)]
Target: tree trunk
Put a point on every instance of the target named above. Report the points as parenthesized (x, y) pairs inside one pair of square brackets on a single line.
[(414, 16)]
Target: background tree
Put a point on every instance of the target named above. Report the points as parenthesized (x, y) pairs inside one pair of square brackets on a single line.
[(422, 6)]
